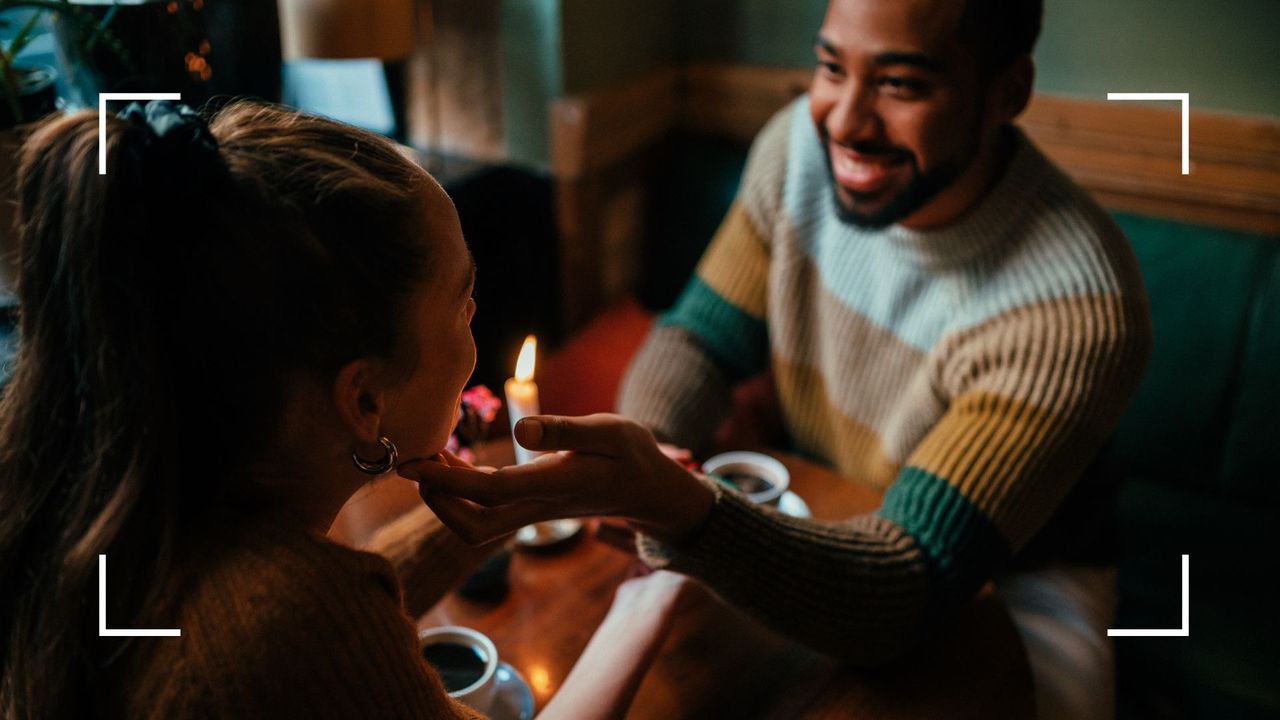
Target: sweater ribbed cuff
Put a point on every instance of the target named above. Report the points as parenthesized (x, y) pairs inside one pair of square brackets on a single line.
[(857, 590)]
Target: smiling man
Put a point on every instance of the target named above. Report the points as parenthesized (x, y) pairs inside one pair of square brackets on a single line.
[(911, 101), (947, 318)]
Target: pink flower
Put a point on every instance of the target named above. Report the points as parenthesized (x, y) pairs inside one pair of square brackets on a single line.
[(478, 408), (482, 402)]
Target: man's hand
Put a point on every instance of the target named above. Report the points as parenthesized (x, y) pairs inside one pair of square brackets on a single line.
[(677, 453), (597, 465)]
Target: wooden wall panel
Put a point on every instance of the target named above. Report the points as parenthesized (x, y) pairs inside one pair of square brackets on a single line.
[(590, 133), (455, 79), (1130, 156), (598, 145), (737, 100), (1127, 154)]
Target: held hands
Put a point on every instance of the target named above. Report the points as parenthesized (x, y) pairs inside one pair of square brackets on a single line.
[(597, 465)]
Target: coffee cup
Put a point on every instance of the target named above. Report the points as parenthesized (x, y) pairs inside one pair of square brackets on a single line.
[(761, 478), (466, 661)]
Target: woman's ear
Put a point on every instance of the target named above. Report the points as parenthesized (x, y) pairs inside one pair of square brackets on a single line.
[(360, 402)]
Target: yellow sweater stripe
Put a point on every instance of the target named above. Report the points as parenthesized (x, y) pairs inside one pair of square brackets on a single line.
[(736, 265)]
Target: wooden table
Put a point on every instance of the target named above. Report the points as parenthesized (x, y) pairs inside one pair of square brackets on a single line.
[(718, 663)]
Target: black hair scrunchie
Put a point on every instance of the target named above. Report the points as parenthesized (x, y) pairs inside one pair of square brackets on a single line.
[(175, 140), (172, 187)]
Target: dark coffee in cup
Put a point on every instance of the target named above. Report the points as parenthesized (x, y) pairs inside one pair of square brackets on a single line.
[(466, 661), (459, 665), (761, 478), (745, 482)]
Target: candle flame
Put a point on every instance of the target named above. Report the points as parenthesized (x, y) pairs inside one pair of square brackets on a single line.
[(528, 354)]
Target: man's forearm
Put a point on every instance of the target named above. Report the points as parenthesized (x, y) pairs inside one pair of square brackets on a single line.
[(676, 389), (857, 590)]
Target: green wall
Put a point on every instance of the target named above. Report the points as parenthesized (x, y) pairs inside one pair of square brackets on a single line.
[(553, 48), (1223, 53), (754, 32), (609, 41), (533, 75)]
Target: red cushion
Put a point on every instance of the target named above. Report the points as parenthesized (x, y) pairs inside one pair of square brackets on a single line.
[(582, 376)]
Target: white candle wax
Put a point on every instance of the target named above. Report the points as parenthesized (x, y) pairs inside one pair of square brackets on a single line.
[(522, 401), (522, 394)]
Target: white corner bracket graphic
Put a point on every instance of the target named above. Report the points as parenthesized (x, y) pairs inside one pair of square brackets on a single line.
[(1185, 99), (103, 630), (102, 118), (1185, 630)]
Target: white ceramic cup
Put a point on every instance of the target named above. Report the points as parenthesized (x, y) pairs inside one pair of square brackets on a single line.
[(479, 695), (754, 463)]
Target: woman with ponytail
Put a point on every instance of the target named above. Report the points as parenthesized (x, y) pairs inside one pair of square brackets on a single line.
[(220, 340)]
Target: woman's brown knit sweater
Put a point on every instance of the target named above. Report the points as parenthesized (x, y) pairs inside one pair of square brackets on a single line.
[(279, 622)]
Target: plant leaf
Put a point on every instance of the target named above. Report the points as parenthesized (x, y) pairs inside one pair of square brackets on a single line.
[(100, 28), (96, 31), (24, 36), (9, 84)]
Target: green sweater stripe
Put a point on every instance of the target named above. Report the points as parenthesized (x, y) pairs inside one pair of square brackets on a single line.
[(963, 546), (989, 358), (734, 338)]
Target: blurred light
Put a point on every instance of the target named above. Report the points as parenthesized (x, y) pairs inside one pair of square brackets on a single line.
[(540, 679), (382, 29)]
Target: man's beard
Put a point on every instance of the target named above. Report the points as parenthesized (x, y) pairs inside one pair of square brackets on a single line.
[(920, 189)]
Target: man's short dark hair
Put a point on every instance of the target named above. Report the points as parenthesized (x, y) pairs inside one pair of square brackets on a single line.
[(1001, 31)]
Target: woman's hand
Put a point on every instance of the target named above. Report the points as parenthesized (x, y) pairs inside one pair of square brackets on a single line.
[(605, 678), (661, 594), (598, 465)]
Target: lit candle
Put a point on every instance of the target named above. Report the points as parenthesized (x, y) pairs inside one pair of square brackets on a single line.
[(522, 401), (522, 394)]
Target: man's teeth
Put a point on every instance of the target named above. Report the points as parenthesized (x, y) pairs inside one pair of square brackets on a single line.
[(859, 167)]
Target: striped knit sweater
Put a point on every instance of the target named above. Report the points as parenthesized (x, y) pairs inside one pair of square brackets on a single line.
[(970, 372), (278, 622)]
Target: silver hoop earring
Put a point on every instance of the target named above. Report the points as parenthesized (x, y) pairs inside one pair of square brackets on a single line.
[(383, 465)]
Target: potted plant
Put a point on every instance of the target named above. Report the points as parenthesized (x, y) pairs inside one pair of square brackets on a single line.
[(28, 94), (25, 92), (200, 49)]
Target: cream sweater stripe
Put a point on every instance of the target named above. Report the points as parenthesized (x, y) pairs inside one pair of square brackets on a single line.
[(974, 370)]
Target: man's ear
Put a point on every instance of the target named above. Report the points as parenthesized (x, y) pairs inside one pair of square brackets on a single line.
[(360, 402), (1014, 86)]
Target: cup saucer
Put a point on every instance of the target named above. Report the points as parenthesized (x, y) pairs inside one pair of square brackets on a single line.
[(547, 534), (513, 699), (791, 504)]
